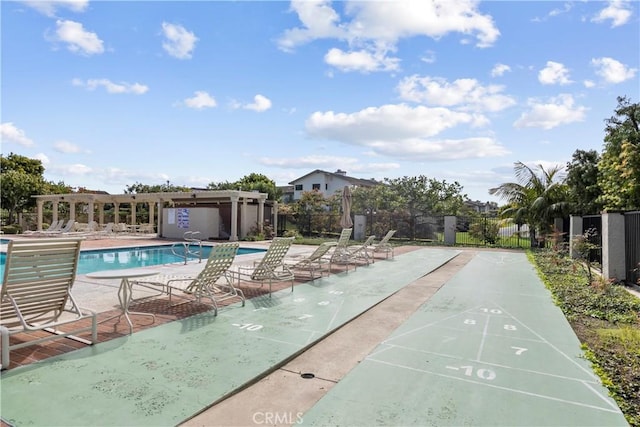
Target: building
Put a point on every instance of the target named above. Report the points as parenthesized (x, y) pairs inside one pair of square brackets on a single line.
[(327, 183)]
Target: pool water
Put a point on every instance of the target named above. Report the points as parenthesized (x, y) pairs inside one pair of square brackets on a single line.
[(133, 257)]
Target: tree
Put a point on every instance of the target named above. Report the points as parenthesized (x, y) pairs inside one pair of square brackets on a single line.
[(535, 199), (619, 166), (251, 182), (422, 196), (582, 182), (21, 179), (167, 187)]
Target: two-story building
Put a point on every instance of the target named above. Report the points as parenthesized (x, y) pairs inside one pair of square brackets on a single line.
[(327, 183)]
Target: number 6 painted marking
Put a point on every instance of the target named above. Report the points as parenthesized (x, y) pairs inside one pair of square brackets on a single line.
[(519, 350), (510, 328), (469, 322)]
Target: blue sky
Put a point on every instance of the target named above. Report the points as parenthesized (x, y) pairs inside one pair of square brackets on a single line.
[(110, 93)]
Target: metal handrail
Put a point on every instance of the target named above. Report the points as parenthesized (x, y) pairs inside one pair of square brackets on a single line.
[(192, 246)]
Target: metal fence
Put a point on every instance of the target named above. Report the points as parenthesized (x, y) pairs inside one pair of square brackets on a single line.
[(632, 245), (491, 231)]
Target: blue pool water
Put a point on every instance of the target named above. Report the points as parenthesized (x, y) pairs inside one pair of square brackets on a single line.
[(120, 258)]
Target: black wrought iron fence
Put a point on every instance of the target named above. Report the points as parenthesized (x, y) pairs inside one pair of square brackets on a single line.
[(491, 231)]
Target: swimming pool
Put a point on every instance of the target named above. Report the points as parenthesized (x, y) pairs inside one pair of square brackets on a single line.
[(130, 257)]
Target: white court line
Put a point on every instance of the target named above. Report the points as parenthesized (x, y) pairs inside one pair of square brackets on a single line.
[(450, 356), (333, 318), (428, 325), (484, 335), (569, 358), (513, 390), (597, 393)]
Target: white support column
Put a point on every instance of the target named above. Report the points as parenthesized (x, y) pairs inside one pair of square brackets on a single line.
[(613, 251), (152, 213), (234, 220), (450, 223), (39, 205), (54, 211), (244, 226), (72, 211), (101, 213), (260, 215), (91, 209), (133, 213), (274, 223), (575, 229), (116, 213)]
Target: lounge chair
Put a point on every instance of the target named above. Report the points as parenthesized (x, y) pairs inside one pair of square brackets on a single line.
[(36, 293), (55, 225), (271, 268), (340, 254), (384, 245), (204, 285), (359, 254), (66, 229), (316, 261)]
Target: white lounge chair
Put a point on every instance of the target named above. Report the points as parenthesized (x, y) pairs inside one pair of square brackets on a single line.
[(55, 225), (66, 229), (384, 246), (36, 293), (317, 261), (271, 268), (205, 284)]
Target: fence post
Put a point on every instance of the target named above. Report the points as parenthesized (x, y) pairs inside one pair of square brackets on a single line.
[(613, 250), (575, 229), (450, 223)]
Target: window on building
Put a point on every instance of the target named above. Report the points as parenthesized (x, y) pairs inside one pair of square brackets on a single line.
[(326, 186), (298, 187), (315, 187)]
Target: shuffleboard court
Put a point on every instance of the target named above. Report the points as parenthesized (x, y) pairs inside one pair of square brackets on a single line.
[(490, 348), (164, 375)]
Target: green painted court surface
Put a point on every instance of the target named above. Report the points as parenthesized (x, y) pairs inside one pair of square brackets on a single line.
[(164, 375), (490, 348)]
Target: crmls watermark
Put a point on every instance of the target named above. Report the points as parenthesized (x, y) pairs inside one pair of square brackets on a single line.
[(277, 418)]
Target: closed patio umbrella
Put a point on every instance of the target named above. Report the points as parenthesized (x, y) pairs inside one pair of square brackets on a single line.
[(345, 220)]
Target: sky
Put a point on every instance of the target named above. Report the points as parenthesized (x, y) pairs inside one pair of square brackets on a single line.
[(112, 93)]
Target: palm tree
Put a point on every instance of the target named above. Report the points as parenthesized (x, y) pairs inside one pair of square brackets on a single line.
[(535, 199)]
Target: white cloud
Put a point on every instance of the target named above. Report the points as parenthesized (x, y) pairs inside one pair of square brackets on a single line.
[(403, 132), (43, 158), (78, 40), (260, 103), (588, 84), (200, 100), (612, 71), (468, 94), (179, 42), (499, 70), (66, 147), (554, 73), (10, 133), (361, 60), (617, 11), (375, 28), (123, 87), (50, 7), (560, 110), (75, 169), (310, 162)]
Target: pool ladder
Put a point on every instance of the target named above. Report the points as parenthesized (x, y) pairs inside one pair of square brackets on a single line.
[(190, 248)]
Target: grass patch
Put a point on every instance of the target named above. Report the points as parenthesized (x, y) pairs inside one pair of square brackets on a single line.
[(606, 319)]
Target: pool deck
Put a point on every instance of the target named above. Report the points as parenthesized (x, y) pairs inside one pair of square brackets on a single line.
[(475, 340)]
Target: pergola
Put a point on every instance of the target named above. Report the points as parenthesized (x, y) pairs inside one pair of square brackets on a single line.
[(239, 200)]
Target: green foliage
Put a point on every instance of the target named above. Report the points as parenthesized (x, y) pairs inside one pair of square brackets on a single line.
[(167, 187), (619, 166), (485, 231), (583, 247), (535, 199), (251, 182), (21, 179), (582, 182), (607, 320)]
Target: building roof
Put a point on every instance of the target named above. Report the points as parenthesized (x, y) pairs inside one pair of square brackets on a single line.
[(342, 175)]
